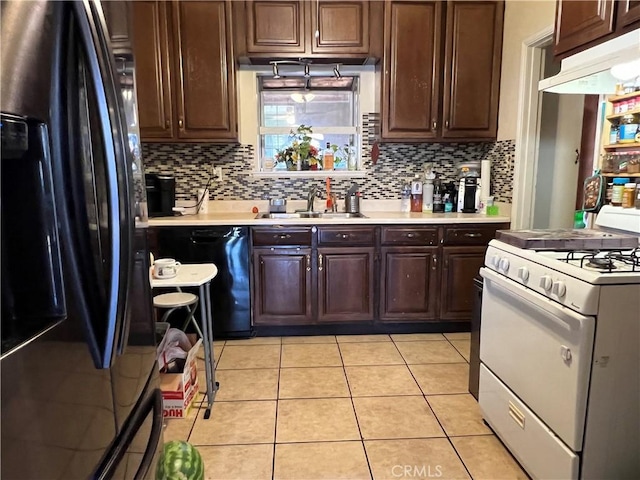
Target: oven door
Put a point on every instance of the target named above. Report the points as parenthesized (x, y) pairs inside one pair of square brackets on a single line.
[(541, 351)]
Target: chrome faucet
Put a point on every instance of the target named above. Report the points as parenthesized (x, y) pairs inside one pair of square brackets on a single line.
[(311, 196), (334, 202)]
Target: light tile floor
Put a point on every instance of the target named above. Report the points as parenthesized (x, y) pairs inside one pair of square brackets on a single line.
[(345, 407)]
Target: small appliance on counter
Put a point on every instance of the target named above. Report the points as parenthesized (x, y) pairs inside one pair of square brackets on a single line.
[(469, 200), (469, 195), (161, 194)]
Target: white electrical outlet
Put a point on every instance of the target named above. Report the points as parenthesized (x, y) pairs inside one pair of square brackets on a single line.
[(217, 174)]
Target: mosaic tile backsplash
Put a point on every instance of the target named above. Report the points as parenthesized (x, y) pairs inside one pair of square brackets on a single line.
[(397, 162)]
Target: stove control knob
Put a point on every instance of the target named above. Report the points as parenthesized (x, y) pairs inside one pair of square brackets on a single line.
[(559, 288), (546, 282), (504, 265), (523, 274), (496, 261)]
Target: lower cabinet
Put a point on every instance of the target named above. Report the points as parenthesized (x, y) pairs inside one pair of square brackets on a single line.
[(357, 274), (408, 284), (459, 267), (282, 286), (346, 284)]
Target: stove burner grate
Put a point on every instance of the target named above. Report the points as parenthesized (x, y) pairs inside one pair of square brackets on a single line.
[(605, 261)]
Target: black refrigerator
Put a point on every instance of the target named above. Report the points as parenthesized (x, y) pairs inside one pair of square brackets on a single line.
[(80, 395)]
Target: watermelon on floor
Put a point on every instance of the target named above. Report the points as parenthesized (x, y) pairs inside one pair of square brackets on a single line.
[(180, 461)]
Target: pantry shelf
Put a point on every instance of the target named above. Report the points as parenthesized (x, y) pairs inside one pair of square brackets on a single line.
[(621, 175), (617, 98), (624, 146), (617, 116)]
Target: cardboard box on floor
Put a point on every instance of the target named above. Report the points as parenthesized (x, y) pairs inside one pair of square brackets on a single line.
[(180, 389)]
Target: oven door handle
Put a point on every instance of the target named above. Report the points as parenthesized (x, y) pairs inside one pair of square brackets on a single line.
[(562, 316)]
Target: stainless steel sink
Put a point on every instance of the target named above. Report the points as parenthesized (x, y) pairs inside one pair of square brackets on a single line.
[(310, 215), (342, 215)]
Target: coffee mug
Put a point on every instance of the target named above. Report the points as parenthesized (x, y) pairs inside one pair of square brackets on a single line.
[(165, 268)]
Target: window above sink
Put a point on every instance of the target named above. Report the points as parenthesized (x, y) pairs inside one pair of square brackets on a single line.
[(269, 115)]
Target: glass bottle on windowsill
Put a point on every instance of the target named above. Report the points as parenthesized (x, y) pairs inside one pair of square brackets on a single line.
[(327, 158)]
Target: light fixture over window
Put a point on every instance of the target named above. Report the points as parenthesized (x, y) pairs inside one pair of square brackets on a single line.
[(275, 70), (336, 71)]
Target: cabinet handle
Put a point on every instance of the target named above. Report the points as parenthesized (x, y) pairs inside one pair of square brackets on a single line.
[(180, 123), (308, 263), (343, 236), (319, 262), (473, 235), (167, 123), (435, 125), (282, 236), (434, 257), (410, 235), (446, 124)]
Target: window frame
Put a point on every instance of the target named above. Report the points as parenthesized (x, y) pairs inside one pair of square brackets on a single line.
[(355, 130)]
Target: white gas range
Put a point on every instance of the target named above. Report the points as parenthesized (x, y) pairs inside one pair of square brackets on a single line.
[(560, 357)]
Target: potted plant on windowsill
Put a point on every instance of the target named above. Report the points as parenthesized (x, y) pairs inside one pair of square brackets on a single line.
[(300, 155)]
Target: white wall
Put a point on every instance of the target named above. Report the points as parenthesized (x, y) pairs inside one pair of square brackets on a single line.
[(522, 19)]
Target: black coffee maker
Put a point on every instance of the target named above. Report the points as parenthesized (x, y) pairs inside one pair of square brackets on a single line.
[(468, 195), (161, 194)]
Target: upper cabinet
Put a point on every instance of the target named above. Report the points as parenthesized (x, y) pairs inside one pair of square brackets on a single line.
[(441, 70), (583, 24), (117, 15), (334, 29), (185, 71)]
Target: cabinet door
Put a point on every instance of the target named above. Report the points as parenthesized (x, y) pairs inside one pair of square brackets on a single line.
[(117, 15), (580, 22), (206, 90), (345, 284), (151, 24), (473, 52), (411, 71), (276, 26), (460, 266), (628, 13), (409, 284), (343, 26), (282, 286)]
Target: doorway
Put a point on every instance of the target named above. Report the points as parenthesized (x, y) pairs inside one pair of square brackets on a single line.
[(548, 143)]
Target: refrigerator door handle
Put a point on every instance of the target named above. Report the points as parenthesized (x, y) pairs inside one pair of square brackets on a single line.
[(118, 174), (156, 434), (109, 466)]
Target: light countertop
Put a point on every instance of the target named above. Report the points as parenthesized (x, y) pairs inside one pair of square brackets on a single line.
[(378, 212)]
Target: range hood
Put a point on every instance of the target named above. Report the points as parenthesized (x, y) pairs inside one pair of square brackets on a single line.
[(589, 72)]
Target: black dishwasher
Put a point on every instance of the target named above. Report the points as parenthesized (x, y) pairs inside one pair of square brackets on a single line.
[(228, 249)]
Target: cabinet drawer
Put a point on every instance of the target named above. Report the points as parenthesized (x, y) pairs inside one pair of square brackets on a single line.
[(282, 236), (409, 236), (346, 235), (472, 235)]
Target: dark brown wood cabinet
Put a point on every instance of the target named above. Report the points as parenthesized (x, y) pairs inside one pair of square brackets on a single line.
[(185, 71), (580, 22), (151, 26), (441, 70), (118, 17), (628, 13), (408, 284), (276, 25), (459, 267), (463, 251), (268, 29), (342, 26), (345, 284), (583, 24), (282, 286), (473, 51)]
